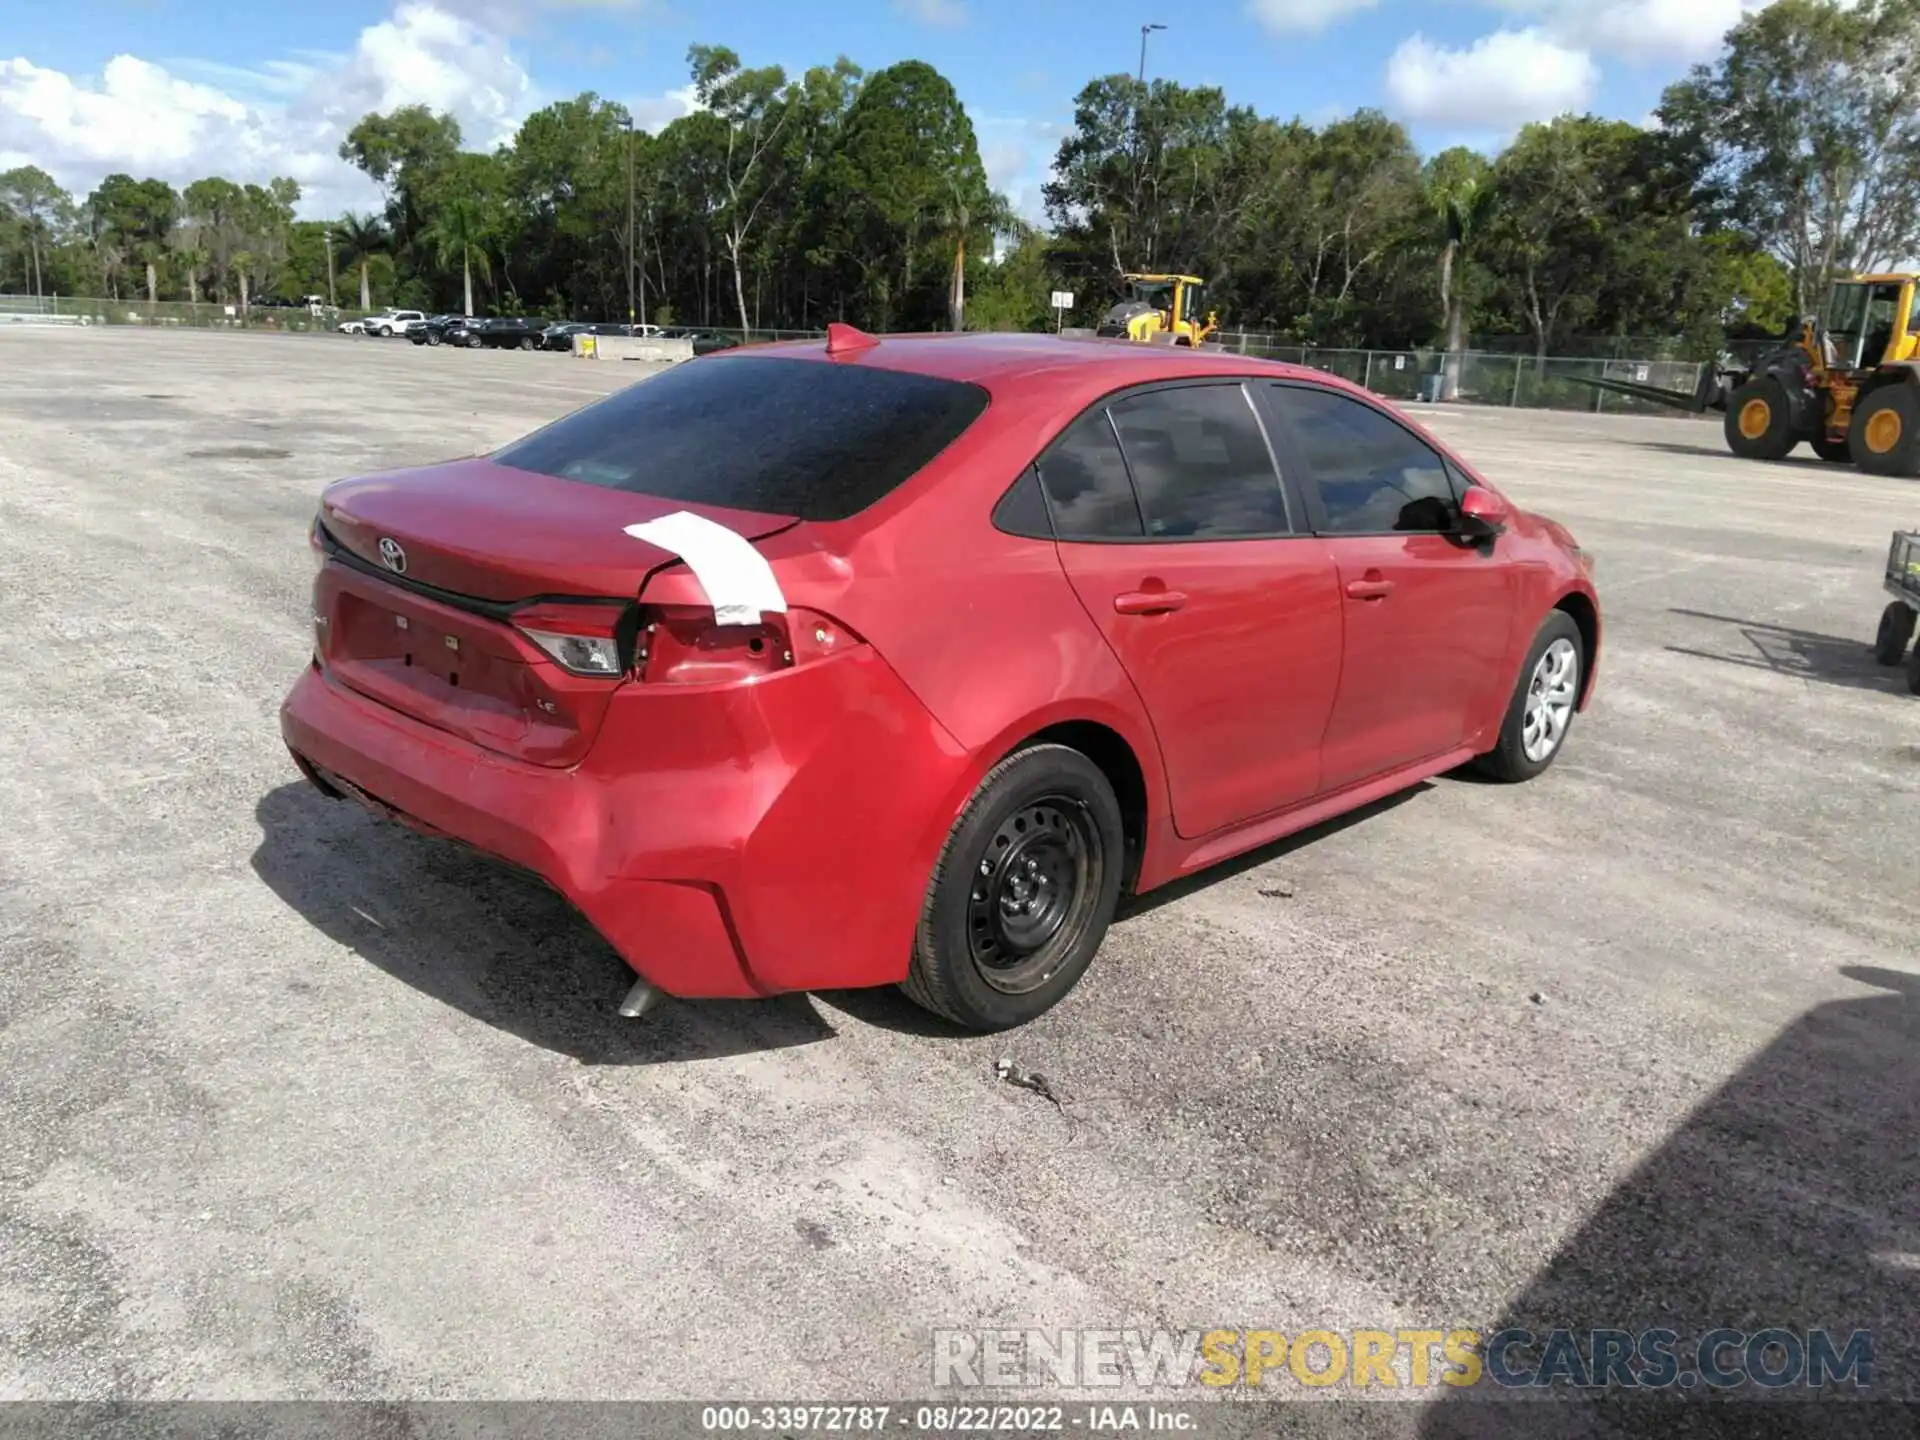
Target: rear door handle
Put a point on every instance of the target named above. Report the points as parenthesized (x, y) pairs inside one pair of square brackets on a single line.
[(1148, 602), (1370, 589)]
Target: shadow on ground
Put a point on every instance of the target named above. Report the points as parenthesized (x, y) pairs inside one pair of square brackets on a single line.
[(1801, 654), (490, 942), (1709, 450), (1789, 1199)]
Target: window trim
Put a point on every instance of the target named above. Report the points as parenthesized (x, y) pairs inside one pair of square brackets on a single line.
[(1291, 498), (1310, 481)]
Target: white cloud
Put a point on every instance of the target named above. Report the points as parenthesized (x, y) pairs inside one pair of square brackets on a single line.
[(1303, 17), (281, 117), (1018, 154), (1666, 31), (933, 12), (1501, 81), (653, 113)]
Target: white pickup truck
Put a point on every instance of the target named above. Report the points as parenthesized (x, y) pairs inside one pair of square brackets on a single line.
[(393, 322)]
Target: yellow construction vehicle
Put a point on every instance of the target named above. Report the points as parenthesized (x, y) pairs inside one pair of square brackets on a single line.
[(1161, 309), (1847, 383)]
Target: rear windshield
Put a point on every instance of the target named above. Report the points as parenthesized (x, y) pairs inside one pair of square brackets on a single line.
[(759, 432)]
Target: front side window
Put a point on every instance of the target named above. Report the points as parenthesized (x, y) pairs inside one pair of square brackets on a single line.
[(1373, 475), (1200, 463)]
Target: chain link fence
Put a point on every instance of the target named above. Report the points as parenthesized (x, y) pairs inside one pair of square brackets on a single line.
[(1477, 377), (1480, 377)]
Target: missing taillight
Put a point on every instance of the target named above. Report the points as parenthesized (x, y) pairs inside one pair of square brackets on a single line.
[(683, 645)]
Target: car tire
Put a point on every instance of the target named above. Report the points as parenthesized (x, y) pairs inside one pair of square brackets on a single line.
[(1885, 432), (1023, 893), (385, 332), (1545, 701), (433, 337), (1759, 423), (473, 342), (527, 342), (1896, 628)]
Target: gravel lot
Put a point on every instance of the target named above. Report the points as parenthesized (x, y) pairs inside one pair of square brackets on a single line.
[(297, 1104)]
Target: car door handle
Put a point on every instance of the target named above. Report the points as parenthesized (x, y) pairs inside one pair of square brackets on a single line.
[(1148, 602), (1370, 588)]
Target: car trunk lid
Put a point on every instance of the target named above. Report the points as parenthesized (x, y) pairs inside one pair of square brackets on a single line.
[(435, 566)]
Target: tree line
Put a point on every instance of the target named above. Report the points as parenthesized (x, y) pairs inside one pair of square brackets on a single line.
[(787, 201)]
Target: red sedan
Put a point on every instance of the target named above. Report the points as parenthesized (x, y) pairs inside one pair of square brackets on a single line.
[(900, 661)]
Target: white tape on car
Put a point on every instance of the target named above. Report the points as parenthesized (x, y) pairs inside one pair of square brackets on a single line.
[(740, 585)]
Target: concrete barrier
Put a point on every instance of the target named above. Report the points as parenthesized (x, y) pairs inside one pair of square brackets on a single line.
[(624, 347)]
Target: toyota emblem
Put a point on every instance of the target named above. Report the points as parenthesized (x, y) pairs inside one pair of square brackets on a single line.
[(392, 556)]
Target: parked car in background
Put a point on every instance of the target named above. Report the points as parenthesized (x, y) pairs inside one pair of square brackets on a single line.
[(705, 341), (559, 336), (352, 327), (512, 332), (434, 331), (394, 322), (868, 683)]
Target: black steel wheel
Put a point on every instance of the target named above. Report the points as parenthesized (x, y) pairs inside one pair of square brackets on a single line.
[(1896, 628), (1032, 892), (1023, 893)]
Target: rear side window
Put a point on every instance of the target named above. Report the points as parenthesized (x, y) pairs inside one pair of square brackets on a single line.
[(1372, 474), (1200, 463), (814, 440), (1088, 493)]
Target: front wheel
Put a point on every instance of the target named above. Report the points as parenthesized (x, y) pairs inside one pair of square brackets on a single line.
[(526, 342), (1540, 715), (385, 332), (1759, 424), (1023, 893), (433, 337)]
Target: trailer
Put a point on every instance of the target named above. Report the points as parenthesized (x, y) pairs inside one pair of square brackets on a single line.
[(1897, 620)]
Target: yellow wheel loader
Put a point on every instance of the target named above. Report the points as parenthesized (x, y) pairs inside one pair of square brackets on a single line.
[(1847, 383), (1162, 310)]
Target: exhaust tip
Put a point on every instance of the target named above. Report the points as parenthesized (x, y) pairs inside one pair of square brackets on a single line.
[(640, 999)]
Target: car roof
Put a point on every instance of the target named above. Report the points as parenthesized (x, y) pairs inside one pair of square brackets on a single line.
[(1070, 365)]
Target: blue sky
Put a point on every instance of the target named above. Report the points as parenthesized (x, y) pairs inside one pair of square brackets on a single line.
[(182, 88)]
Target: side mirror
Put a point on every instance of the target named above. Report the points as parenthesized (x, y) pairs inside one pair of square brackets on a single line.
[(1483, 514)]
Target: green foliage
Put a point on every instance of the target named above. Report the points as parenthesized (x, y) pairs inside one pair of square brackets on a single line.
[(1807, 138), (787, 201)]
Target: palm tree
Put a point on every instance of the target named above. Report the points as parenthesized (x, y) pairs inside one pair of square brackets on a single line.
[(1462, 195), (457, 230), (361, 238)]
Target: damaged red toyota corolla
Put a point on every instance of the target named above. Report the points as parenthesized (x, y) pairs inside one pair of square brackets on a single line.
[(900, 661)]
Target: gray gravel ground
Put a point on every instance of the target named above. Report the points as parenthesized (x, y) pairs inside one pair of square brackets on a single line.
[(298, 1104)]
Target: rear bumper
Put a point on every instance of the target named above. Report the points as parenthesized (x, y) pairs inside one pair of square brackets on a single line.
[(727, 841)]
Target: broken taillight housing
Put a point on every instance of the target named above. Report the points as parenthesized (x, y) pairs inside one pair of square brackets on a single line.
[(584, 639), (684, 645)]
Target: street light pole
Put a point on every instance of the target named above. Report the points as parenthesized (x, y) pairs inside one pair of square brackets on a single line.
[(332, 304), (629, 222), (1144, 29)]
